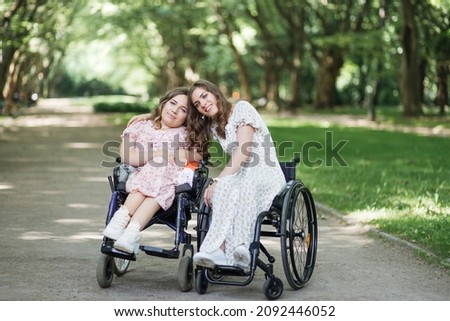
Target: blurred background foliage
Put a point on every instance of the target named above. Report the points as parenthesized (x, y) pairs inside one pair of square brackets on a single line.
[(282, 55)]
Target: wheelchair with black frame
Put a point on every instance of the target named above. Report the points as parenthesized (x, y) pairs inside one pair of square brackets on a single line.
[(291, 217), (187, 199)]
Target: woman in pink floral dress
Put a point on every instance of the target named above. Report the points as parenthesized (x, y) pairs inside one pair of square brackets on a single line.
[(158, 148)]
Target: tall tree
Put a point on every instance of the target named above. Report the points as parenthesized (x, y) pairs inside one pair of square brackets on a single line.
[(293, 13), (227, 26), (13, 48), (330, 21), (442, 49), (281, 38), (410, 81), (434, 24), (32, 44), (377, 65)]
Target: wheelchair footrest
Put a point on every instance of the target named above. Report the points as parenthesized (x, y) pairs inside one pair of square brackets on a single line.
[(230, 270), (108, 249), (156, 251)]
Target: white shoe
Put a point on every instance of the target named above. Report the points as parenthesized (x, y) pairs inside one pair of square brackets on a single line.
[(241, 257), (210, 260), (117, 224), (130, 238)]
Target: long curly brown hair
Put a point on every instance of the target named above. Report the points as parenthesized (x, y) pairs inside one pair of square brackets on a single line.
[(199, 127), (156, 113)]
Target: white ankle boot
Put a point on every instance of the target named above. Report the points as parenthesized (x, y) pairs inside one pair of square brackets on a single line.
[(130, 238), (117, 225), (241, 257), (210, 260)]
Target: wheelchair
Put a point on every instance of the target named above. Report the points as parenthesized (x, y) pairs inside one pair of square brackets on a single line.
[(291, 217), (114, 262)]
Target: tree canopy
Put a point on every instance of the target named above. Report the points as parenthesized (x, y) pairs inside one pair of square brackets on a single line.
[(283, 54)]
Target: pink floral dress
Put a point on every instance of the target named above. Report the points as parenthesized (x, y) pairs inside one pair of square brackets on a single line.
[(157, 178)]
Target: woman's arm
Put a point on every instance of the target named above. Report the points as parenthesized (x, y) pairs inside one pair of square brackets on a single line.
[(134, 156), (242, 153), (138, 118), (131, 154)]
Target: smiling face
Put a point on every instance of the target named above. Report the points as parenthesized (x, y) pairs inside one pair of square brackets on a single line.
[(174, 112), (205, 102)]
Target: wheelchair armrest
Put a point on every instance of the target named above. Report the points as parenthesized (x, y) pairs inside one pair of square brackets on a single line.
[(183, 188), (279, 198)]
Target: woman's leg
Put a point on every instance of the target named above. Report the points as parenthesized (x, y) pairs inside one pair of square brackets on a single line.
[(145, 212), (134, 201), (121, 217), (129, 240)]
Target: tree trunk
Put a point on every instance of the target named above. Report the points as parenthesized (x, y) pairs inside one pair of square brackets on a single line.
[(7, 57), (410, 69), (7, 53), (329, 67), (377, 66), (10, 83), (442, 92), (271, 82), (294, 100)]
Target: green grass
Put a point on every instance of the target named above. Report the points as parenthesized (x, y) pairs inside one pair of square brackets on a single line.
[(396, 181), (390, 115)]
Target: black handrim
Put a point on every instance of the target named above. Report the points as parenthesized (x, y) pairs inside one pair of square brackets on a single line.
[(298, 236)]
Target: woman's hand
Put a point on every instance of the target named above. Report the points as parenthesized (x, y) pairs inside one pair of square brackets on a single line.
[(209, 193), (138, 118)]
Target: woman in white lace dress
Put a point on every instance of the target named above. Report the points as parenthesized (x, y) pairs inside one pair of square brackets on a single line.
[(248, 183)]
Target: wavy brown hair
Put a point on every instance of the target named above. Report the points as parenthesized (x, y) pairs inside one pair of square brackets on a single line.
[(199, 127), (156, 113)]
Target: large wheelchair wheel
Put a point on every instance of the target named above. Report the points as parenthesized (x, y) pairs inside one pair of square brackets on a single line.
[(298, 229), (105, 271)]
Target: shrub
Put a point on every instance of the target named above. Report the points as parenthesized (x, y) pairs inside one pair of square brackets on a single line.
[(121, 107)]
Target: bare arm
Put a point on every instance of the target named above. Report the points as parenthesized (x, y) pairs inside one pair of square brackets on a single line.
[(138, 118), (242, 153), (131, 154)]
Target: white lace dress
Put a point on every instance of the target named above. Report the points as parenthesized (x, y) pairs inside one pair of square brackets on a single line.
[(239, 198)]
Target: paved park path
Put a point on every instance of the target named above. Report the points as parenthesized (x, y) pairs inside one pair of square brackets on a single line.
[(54, 195)]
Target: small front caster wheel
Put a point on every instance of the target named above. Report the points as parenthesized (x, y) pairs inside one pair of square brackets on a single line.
[(273, 288), (105, 270), (201, 283), (121, 266), (186, 274)]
